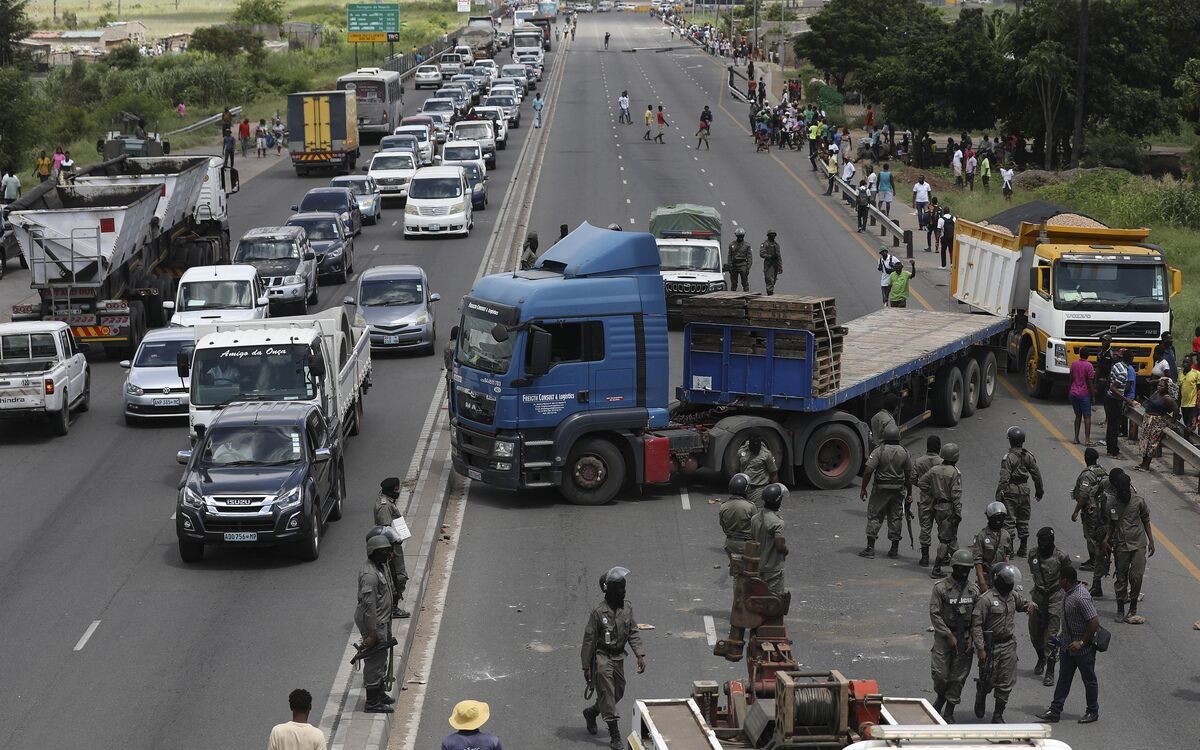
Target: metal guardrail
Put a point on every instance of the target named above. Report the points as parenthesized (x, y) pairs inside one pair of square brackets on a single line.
[(875, 217), (205, 122), (1183, 453)]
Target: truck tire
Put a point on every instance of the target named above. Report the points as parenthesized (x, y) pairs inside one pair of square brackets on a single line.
[(833, 456), (972, 385), (339, 494), (310, 547), (594, 474), (60, 421), (948, 396), (356, 427), (191, 552), (1037, 385), (987, 378), (137, 327), (770, 438)]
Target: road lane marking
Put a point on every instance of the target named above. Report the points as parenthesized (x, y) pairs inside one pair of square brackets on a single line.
[(685, 499), (86, 635), (1073, 449), (375, 248), (172, 516), (710, 630), (394, 223)]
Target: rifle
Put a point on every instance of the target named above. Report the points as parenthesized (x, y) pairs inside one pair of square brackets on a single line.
[(362, 652), (908, 517), (983, 683), (590, 690)]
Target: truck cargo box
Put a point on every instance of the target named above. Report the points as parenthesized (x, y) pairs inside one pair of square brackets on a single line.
[(182, 178)]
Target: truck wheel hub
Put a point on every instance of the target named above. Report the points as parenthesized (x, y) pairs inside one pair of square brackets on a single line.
[(834, 457), (590, 472)]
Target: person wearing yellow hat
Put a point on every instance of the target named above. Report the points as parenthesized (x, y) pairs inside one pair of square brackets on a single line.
[(467, 718)]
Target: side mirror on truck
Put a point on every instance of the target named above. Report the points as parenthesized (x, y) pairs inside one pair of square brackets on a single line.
[(183, 365), (454, 333), (316, 366), (539, 352)]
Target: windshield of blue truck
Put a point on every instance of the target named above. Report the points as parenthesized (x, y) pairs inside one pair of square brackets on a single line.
[(271, 372), (1110, 286), (479, 349), (690, 258)]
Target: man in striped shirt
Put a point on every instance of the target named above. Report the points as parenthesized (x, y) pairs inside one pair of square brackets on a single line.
[(1079, 625)]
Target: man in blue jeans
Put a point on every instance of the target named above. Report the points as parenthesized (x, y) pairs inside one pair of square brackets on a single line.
[(1079, 625)]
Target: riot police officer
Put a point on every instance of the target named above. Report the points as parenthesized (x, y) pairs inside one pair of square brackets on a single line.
[(529, 251), (1086, 508), (891, 469), (950, 608), (1016, 468), (735, 515), (740, 259), (993, 633), (943, 484), (373, 618), (1045, 563), (772, 261), (386, 511), (993, 544), (610, 628), (766, 528)]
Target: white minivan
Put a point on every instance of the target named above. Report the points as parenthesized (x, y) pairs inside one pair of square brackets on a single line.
[(439, 202), (208, 294), (424, 139)]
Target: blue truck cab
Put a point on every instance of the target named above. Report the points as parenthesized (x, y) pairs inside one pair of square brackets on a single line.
[(559, 367)]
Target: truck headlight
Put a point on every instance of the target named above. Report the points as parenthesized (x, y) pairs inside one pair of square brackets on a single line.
[(290, 280), (716, 286), (502, 449), (458, 207), (289, 499), (191, 498), (132, 389), (1060, 355)]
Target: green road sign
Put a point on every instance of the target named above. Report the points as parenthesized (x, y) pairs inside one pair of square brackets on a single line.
[(371, 22)]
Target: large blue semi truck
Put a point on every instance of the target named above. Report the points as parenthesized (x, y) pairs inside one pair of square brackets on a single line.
[(560, 378)]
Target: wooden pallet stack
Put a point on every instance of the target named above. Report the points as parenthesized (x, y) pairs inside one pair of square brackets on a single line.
[(788, 311)]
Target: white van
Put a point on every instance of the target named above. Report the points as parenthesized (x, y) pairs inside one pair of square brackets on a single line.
[(439, 202), (424, 140), (208, 294)]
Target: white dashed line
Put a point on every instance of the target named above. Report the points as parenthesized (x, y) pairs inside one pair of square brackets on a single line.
[(375, 248), (710, 184), (685, 499), (394, 223), (628, 201), (172, 517), (87, 634), (710, 630)]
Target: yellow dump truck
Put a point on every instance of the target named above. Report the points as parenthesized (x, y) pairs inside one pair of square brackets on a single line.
[(1063, 287), (323, 131)]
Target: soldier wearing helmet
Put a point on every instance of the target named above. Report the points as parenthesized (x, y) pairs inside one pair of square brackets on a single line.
[(386, 514), (373, 618), (529, 251), (766, 528), (1016, 468), (993, 633), (921, 465), (1046, 561), (757, 462), (943, 485), (882, 418), (740, 259), (735, 514), (993, 544), (772, 261), (1084, 494), (889, 471), (610, 628), (950, 608)]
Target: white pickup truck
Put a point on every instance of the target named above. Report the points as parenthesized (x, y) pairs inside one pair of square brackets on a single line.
[(43, 373)]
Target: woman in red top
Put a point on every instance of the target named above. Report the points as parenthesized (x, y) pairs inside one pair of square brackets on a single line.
[(1196, 341)]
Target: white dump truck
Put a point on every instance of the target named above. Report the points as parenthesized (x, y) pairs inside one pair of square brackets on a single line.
[(43, 373), (105, 251), (323, 358)]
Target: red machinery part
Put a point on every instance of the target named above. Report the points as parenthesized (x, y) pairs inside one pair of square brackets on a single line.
[(657, 452), (864, 704)]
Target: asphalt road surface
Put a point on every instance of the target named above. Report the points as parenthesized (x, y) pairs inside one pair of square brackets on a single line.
[(201, 656)]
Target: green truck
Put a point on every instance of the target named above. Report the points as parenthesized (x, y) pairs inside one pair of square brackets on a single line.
[(323, 131)]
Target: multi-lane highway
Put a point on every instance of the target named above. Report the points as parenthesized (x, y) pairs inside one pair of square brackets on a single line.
[(192, 656)]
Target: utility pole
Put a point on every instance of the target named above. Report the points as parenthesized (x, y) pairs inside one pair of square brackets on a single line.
[(1080, 83), (756, 25)]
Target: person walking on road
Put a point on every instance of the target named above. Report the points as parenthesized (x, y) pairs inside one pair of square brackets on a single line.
[(1083, 382), (606, 38), (898, 283), (1046, 562), (10, 187), (42, 167), (649, 121), (538, 105), (1081, 623), (466, 721), (387, 513), (756, 461), (831, 170), (610, 629), (921, 192), (887, 190), (1130, 539), (661, 119), (772, 261), (735, 515), (260, 139), (623, 109), (862, 203), (950, 608), (993, 544), (945, 228), (1016, 469), (921, 466), (886, 261), (943, 485), (373, 617), (229, 144), (993, 632), (1006, 180), (244, 135), (766, 528), (888, 472), (297, 734), (739, 261), (1086, 511)]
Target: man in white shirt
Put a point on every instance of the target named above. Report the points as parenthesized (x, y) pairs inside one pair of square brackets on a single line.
[(956, 161), (886, 261), (297, 734), (921, 190), (623, 105), (1006, 176), (10, 187), (848, 171)]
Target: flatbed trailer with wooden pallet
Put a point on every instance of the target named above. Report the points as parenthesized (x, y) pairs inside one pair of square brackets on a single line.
[(783, 370)]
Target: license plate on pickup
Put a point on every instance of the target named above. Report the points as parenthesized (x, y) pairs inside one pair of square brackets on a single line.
[(166, 402), (474, 474), (387, 340), (435, 227), (241, 536)]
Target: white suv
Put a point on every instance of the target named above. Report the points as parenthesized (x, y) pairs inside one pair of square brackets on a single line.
[(392, 170), (439, 202)]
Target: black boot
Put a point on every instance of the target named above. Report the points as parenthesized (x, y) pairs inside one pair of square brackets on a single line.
[(1041, 664), (1048, 680), (980, 703), (939, 702), (1097, 591), (924, 555), (868, 551), (1120, 611), (895, 550), (589, 715), (376, 703), (937, 573), (399, 613), (998, 714), (1024, 547), (1087, 565), (1132, 611), (948, 713), (615, 742)]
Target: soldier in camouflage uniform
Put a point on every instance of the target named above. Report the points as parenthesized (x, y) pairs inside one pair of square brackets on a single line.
[(1016, 468), (758, 463), (529, 251), (374, 621), (741, 258), (1086, 510), (991, 545), (772, 261), (735, 515), (891, 492), (993, 633), (921, 465), (882, 418), (950, 608), (610, 628), (1045, 562), (943, 484)]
